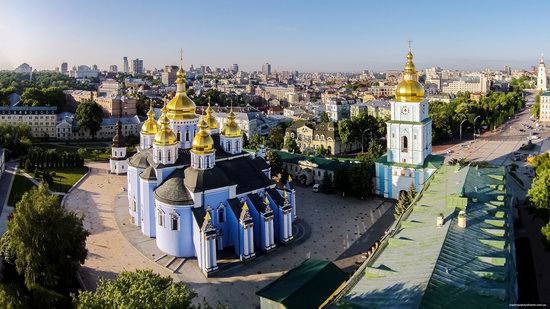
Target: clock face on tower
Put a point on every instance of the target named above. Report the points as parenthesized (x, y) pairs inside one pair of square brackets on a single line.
[(404, 110)]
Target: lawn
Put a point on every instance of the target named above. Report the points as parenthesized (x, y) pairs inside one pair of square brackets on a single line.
[(65, 177), (20, 185)]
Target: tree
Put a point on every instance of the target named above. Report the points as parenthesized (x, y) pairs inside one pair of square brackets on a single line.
[(291, 145), (412, 192), (326, 183), (138, 289), (275, 162), (400, 206), (45, 241), (360, 183), (89, 115), (539, 195), (535, 110), (324, 117), (341, 179), (276, 137)]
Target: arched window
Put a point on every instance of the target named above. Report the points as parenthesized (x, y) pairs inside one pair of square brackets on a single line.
[(404, 144), (169, 155), (228, 146), (221, 214), (187, 135), (178, 136), (160, 217), (317, 136), (237, 145), (160, 155), (174, 220), (207, 162)]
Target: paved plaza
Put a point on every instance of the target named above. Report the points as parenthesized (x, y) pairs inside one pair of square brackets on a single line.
[(327, 227)]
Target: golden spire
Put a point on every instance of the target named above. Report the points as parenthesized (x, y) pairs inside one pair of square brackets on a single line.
[(203, 142), (245, 207), (210, 120), (207, 217), (150, 126), (165, 136), (181, 107), (289, 178), (409, 90), (231, 128), (266, 200)]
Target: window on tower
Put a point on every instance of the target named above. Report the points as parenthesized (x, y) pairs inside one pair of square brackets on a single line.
[(404, 144)]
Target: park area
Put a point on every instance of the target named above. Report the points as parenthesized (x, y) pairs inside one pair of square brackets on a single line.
[(89, 151), (62, 179)]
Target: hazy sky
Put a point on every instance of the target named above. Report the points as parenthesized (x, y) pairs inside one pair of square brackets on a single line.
[(314, 35)]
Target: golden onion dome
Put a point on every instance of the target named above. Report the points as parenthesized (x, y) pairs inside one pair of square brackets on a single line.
[(181, 107), (165, 136), (231, 128), (203, 142), (409, 90), (209, 118), (150, 126)]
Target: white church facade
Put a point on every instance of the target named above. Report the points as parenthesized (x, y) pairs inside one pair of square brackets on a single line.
[(542, 79), (409, 158)]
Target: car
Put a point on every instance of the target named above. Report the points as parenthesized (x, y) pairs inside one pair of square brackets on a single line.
[(316, 187), (521, 130), (450, 151)]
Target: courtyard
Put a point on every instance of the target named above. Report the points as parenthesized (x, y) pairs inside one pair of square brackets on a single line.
[(327, 227)]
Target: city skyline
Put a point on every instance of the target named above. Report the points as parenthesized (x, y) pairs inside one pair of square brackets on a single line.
[(308, 36)]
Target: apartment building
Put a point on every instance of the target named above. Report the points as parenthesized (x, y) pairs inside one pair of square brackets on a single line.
[(41, 119)]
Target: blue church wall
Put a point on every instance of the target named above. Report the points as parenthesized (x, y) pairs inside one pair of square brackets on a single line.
[(175, 242), (234, 233), (381, 178), (213, 200), (148, 207), (390, 186), (276, 218), (162, 173), (257, 219)]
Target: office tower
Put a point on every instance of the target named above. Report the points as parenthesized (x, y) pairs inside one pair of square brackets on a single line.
[(266, 69), (125, 67), (137, 66), (113, 68), (235, 68), (64, 68)]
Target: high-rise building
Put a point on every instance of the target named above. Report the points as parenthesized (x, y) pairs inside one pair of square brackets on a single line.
[(125, 66), (64, 68), (94, 67), (168, 76), (23, 68), (235, 68), (137, 66), (113, 68), (542, 80), (266, 69)]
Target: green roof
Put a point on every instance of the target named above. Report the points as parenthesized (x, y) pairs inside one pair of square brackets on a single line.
[(306, 286), (431, 161), (322, 163), (426, 120), (448, 267)]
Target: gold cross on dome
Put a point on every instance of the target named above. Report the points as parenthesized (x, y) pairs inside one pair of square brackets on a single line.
[(409, 41)]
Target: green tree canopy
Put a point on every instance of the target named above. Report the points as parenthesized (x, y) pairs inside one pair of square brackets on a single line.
[(138, 289), (324, 117), (89, 115), (45, 241)]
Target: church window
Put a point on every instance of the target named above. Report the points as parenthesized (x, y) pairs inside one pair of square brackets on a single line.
[(404, 160), (228, 146), (414, 137), (393, 135), (317, 136), (160, 155), (187, 135), (207, 162), (174, 222), (221, 214), (237, 145), (169, 155), (160, 217), (178, 136), (405, 144)]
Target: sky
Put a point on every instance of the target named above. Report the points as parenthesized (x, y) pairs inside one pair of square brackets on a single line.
[(306, 35)]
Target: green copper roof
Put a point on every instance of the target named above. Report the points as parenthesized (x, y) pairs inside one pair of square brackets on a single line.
[(306, 286), (449, 267), (431, 161), (427, 120)]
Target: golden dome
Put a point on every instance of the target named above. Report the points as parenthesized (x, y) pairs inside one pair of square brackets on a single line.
[(231, 128), (409, 90), (165, 136), (181, 107), (209, 118), (150, 126), (203, 142)]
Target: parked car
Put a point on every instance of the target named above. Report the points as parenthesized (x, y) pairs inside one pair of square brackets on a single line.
[(316, 187)]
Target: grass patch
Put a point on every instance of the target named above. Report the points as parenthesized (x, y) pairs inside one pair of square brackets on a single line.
[(21, 184), (65, 177)]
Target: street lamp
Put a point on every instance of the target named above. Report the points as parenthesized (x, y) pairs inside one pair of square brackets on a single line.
[(475, 127), (461, 129)]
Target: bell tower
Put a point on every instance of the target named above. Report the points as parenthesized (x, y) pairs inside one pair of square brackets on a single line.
[(542, 80)]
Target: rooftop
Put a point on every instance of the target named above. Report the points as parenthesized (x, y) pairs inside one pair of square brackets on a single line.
[(423, 265)]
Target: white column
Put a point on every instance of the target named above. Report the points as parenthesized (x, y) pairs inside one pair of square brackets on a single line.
[(289, 224), (212, 255), (285, 230), (251, 239), (206, 257), (245, 241), (271, 233), (266, 234)]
